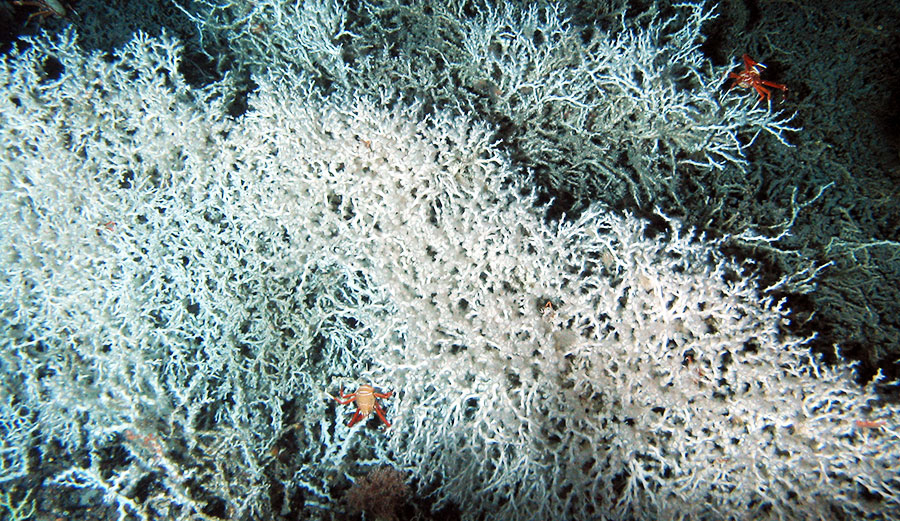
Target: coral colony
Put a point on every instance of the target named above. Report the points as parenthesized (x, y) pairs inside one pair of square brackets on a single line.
[(186, 281)]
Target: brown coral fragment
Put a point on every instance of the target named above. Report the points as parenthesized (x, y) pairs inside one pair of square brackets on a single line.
[(379, 494)]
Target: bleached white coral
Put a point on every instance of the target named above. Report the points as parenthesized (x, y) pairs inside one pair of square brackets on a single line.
[(187, 287), (630, 112), (550, 370)]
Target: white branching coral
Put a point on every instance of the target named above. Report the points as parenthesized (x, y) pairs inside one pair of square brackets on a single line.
[(187, 287)]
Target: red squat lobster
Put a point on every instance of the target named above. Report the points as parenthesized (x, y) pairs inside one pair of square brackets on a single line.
[(45, 8), (366, 401), (749, 77)]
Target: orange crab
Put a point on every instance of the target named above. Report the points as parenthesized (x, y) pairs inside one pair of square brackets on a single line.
[(45, 8), (366, 401), (749, 77)]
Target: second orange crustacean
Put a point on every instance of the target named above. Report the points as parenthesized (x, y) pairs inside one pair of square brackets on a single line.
[(366, 401), (749, 77)]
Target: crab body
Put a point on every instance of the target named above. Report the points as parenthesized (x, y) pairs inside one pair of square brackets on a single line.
[(750, 77), (366, 401)]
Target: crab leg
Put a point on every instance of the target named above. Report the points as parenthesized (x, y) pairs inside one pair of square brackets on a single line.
[(380, 412), (346, 397), (356, 417)]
